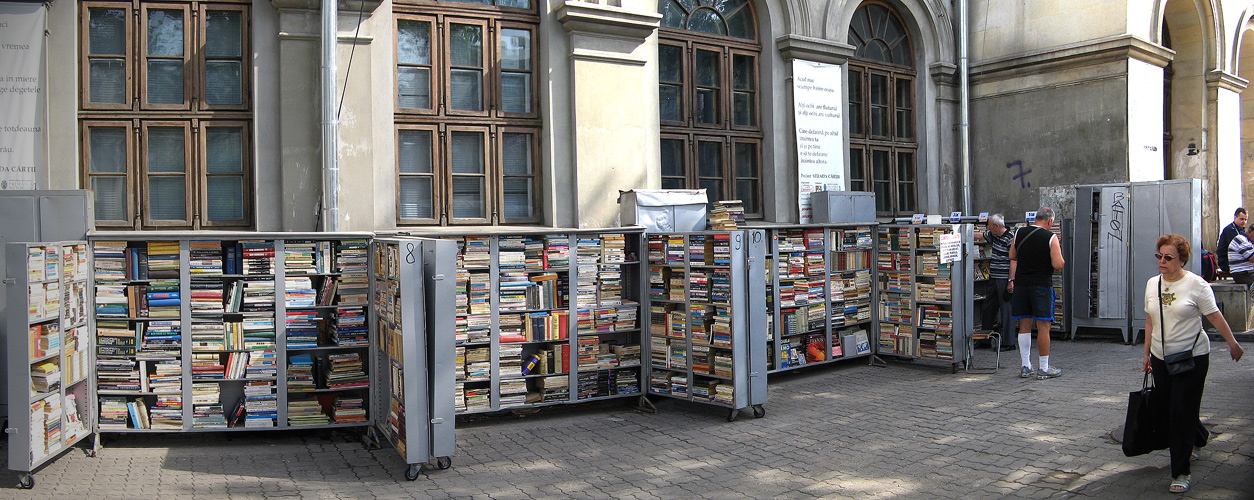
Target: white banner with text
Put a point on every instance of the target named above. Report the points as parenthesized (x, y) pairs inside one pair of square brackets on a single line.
[(817, 111), (21, 93)]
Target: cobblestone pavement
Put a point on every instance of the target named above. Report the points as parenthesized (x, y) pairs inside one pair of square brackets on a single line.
[(908, 430)]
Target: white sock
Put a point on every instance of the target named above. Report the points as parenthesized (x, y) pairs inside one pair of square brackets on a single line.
[(1044, 363), (1025, 349)]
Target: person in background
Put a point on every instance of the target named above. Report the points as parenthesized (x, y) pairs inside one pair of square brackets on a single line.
[(1239, 220), (1241, 257), (998, 306), (1035, 254), (1176, 300)]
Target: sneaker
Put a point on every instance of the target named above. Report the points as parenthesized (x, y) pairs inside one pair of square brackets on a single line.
[(1026, 372), (1052, 372)]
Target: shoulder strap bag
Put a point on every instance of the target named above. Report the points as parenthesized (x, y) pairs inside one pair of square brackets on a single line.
[(1180, 362)]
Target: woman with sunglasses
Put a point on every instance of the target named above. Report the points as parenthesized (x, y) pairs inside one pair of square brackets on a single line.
[(1177, 299)]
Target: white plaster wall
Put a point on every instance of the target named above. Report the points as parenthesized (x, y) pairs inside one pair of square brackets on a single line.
[(1228, 154), (61, 170), (1001, 28)]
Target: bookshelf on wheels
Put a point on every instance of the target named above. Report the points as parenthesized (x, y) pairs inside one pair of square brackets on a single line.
[(707, 318), (49, 357), (924, 292), (819, 281), (546, 317), (413, 304)]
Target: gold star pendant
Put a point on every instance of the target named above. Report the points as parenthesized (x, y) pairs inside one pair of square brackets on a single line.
[(1168, 298)]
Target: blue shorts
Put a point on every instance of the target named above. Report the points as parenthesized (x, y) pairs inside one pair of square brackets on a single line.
[(1036, 302)]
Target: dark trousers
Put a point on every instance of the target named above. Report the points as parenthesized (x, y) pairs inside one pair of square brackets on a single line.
[(995, 307), (1183, 396), (1244, 278)]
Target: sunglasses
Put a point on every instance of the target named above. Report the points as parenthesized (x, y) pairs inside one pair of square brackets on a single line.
[(1160, 256)]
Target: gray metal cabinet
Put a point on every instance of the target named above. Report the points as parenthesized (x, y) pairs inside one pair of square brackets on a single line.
[(707, 321), (1111, 259), (49, 344), (925, 301), (819, 282), (413, 305)]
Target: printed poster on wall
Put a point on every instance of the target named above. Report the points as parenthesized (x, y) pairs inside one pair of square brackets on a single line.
[(21, 93), (818, 112)]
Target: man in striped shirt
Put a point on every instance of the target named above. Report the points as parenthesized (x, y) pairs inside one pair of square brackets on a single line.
[(998, 306), (1241, 256)]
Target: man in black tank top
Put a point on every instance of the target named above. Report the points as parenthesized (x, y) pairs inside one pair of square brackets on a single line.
[(1035, 254)]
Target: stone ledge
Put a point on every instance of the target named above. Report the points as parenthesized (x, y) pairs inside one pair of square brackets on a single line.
[(578, 17), (813, 49), (1068, 56)]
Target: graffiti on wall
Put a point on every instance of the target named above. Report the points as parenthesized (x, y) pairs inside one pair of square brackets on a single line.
[(1022, 176)]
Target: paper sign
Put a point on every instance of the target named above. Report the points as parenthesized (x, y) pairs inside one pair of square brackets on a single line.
[(1030, 216), (955, 217), (917, 219), (817, 112), (950, 247), (983, 216)]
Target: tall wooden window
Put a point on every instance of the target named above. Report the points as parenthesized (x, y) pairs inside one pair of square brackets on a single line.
[(883, 145), (467, 119), (708, 55), (165, 115)]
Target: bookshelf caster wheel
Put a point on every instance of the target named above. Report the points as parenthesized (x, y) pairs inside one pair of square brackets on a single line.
[(731, 415), (759, 411), (444, 462), (90, 453), (25, 481), (411, 473)]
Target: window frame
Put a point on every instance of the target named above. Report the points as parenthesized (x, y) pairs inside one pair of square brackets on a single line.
[(202, 172), (489, 210), (756, 92), (143, 58), (188, 172), (722, 103), (684, 71), (130, 127), (436, 78), (128, 57), (437, 181), (499, 143), (194, 115), (245, 59), (487, 57)]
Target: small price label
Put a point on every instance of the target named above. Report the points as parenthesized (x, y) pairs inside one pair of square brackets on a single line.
[(918, 218), (983, 216), (1030, 217), (955, 217)]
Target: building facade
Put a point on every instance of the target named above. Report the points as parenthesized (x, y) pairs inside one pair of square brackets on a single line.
[(206, 115)]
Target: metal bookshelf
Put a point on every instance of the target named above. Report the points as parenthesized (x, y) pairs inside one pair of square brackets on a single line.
[(820, 286), (707, 321), (342, 257), (925, 303), (50, 348), (546, 316), (413, 308)]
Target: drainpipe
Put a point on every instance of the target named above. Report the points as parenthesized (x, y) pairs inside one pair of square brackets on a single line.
[(964, 105), (330, 124)]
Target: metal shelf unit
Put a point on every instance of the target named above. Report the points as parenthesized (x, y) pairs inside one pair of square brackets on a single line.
[(820, 287), (277, 297), (707, 321), (924, 304), (546, 316), (49, 352), (413, 299)]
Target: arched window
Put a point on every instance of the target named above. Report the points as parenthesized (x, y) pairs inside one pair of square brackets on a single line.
[(467, 111), (708, 84), (882, 142)]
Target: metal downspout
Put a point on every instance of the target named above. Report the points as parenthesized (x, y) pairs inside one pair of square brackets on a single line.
[(330, 124), (964, 104)]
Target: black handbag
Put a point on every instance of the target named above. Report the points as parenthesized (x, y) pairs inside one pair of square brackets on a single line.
[(1180, 362), (1144, 429)]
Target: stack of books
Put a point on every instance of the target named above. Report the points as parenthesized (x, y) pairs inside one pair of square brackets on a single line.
[(727, 215)]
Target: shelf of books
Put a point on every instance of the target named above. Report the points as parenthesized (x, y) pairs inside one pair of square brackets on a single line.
[(924, 299), (50, 366), (707, 318), (819, 290), (413, 299), (547, 317), (231, 331)]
